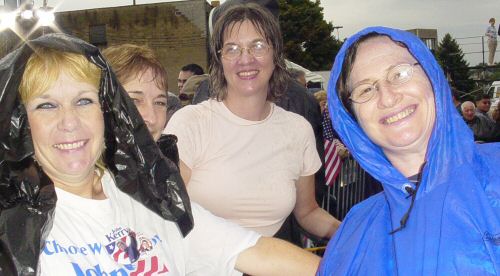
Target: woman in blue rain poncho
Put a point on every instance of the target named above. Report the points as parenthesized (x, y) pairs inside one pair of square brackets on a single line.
[(439, 213)]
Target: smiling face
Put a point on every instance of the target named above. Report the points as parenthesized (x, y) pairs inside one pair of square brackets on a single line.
[(67, 128), (150, 100), (247, 75), (398, 118)]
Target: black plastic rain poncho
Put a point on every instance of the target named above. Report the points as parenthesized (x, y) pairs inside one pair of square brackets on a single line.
[(27, 195)]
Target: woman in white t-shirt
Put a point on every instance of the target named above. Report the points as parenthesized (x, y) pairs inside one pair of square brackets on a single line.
[(86, 191), (242, 157)]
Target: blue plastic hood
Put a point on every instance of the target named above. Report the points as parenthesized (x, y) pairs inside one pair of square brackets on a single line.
[(454, 226)]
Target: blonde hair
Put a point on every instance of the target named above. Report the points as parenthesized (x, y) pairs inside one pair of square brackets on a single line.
[(43, 69), (44, 66), (320, 95)]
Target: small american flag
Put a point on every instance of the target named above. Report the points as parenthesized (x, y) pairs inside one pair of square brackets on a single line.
[(149, 267), (125, 251), (333, 162)]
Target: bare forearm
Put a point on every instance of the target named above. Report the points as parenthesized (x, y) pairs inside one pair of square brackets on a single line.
[(319, 223), (272, 256), (312, 218)]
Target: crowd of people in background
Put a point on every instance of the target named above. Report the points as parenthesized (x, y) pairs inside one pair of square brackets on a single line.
[(482, 118)]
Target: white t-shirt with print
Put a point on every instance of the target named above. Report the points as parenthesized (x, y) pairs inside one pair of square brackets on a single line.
[(119, 236)]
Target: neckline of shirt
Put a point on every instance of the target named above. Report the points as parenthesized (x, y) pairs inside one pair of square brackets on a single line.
[(70, 200), (221, 107)]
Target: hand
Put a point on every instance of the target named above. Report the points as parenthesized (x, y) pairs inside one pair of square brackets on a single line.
[(341, 149), (343, 153)]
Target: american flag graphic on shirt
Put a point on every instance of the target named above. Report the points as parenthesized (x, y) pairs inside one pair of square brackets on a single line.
[(124, 250), (127, 251)]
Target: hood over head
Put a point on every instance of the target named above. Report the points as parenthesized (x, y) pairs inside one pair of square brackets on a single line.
[(27, 195), (450, 221), (449, 139)]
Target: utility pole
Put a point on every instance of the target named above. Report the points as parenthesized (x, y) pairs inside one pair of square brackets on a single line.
[(482, 44), (337, 28)]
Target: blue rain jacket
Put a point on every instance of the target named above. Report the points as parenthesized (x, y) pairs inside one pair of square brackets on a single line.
[(454, 227)]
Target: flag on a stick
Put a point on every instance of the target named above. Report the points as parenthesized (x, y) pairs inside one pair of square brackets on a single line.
[(333, 162)]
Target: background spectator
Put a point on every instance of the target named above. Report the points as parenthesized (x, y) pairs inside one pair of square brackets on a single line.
[(484, 129), (483, 104), (190, 88), (321, 98), (186, 72), (299, 76), (491, 33), (455, 94)]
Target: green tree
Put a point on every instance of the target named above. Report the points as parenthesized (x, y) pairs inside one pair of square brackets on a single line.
[(451, 59), (308, 38)]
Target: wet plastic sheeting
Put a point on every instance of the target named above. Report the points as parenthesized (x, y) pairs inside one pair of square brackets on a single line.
[(27, 195)]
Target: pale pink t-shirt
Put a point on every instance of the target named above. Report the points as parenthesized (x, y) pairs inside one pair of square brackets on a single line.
[(245, 171)]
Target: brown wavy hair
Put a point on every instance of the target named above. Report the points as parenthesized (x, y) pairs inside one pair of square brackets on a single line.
[(129, 61), (267, 26)]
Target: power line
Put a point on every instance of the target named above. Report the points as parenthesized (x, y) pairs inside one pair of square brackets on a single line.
[(469, 37), (480, 52), (474, 43)]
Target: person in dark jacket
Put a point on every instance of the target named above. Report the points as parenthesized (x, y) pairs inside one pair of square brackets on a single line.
[(484, 129)]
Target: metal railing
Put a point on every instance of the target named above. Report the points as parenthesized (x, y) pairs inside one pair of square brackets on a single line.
[(349, 188)]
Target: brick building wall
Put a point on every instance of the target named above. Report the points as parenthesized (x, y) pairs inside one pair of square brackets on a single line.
[(177, 31)]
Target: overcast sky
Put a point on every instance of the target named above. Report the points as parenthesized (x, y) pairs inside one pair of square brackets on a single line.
[(460, 18)]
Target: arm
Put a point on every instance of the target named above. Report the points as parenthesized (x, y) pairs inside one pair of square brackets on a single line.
[(218, 247), (185, 172), (310, 216), (272, 256)]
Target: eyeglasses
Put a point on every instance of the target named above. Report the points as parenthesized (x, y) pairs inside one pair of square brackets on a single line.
[(397, 75), (233, 51)]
